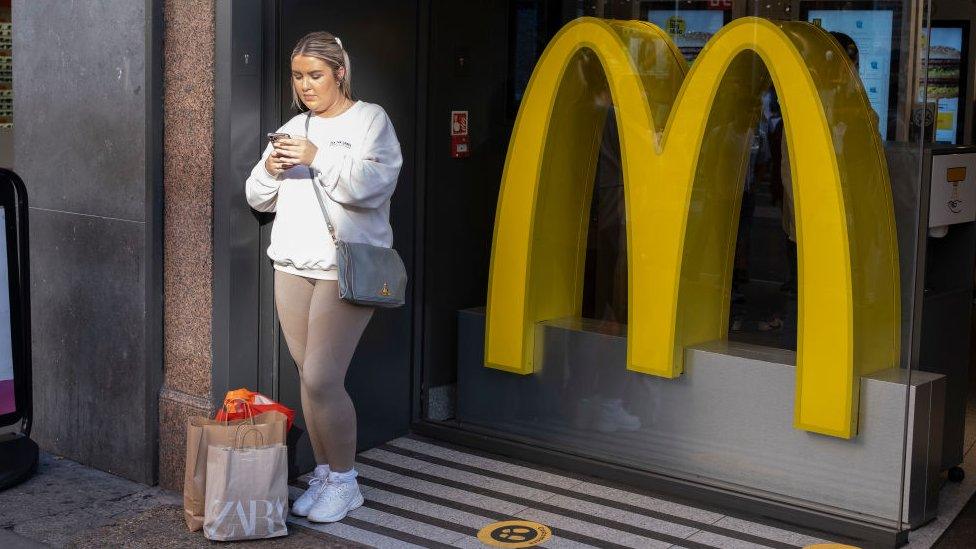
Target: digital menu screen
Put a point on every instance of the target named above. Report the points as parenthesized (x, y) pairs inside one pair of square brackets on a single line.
[(690, 29), (943, 78), (8, 402), (872, 31)]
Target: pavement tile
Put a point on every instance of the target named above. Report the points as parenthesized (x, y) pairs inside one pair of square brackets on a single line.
[(442, 512), (716, 540), (768, 532), (358, 535), (403, 524), (473, 460), (456, 494), (648, 502), (559, 522), (610, 513)]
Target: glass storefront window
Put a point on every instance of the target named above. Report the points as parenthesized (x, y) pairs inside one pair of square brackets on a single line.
[(693, 239)]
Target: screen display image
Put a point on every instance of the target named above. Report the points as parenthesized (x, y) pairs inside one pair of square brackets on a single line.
[(690, 29), (944, 75), (7, 400), (871, 31)]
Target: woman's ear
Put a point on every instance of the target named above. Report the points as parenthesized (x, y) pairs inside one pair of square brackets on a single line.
[(340, 74)]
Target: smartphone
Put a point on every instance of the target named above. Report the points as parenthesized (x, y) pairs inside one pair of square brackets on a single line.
[(276, 136)]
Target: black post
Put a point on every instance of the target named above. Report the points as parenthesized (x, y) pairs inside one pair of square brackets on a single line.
[(18, 453)]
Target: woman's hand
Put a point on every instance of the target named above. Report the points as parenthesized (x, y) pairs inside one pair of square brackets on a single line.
[(296, 150), (276, 164)]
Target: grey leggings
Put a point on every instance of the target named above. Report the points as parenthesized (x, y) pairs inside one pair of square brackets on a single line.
[(322, 333)]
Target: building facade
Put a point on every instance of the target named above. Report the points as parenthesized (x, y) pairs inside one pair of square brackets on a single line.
[(806, 374)]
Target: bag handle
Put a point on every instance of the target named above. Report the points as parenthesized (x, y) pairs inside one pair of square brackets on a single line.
[(247, 408), (318, 195), (239, 440)]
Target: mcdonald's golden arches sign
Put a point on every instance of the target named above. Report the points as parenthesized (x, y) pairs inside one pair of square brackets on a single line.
[(684, 141)]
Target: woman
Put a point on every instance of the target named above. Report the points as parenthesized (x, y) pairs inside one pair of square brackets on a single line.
[(351, 159)]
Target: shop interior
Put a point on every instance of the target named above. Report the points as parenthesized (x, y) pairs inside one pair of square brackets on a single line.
[(468, 70)]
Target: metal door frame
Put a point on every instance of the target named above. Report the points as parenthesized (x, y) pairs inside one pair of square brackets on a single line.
[(241, 91)]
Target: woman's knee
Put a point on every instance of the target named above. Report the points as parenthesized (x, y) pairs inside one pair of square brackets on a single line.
[(320, 384), (323, 391)]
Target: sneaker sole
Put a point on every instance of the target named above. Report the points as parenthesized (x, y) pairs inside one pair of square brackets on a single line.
[(336, 518)]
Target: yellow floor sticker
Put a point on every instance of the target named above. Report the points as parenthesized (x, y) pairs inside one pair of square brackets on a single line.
[(514, 533)]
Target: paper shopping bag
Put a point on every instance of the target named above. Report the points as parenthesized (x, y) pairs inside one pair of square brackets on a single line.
[(247, 492), (202, 432)]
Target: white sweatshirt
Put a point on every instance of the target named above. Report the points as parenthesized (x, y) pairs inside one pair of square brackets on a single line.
[(355, 168)]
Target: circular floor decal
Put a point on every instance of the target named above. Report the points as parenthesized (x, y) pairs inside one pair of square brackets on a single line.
[(514, 533)]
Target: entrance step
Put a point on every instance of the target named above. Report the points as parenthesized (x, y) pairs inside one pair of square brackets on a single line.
[(421, 492)]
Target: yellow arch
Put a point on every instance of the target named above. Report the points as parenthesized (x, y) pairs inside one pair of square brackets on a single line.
[(684, 144)]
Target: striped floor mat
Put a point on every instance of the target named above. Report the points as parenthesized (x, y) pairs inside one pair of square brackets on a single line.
[(423, 493)]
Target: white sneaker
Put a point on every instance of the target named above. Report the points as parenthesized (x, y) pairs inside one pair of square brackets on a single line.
[(305, 502), (612, 417), (337, 500)]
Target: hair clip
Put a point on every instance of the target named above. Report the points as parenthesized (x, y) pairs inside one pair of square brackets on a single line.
[(338, 42)]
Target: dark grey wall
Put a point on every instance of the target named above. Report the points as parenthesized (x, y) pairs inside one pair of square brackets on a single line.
[(460, 194), (86, 86)]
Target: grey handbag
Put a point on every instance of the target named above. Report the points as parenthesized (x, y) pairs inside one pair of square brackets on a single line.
[(368, 275)]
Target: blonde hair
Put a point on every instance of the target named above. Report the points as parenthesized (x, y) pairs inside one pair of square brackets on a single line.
[(325, 46)]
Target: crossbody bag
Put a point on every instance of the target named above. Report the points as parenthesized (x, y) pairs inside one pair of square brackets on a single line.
[(368, 275)]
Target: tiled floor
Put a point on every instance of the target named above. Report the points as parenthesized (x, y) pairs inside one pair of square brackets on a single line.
[(421, 493)]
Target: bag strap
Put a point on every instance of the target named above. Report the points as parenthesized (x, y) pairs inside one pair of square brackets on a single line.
[(240, 440), (318, 194), (247, 409)]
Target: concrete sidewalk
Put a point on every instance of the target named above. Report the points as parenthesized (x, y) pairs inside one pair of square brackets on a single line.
[(70, 505)]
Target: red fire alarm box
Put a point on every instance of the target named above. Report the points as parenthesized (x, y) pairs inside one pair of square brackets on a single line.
[(460, 147)]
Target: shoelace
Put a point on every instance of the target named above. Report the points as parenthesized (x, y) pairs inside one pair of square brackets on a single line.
[(317, 484), (338, 491)]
